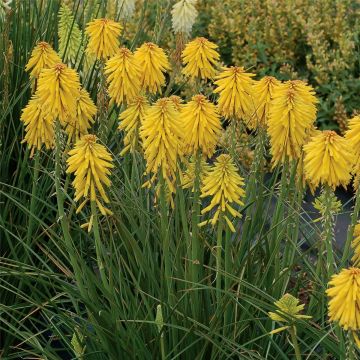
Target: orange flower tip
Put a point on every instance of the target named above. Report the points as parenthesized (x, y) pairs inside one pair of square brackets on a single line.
[(43, 45), (176, 101), (59, 67), (90, 138), (200, 98)]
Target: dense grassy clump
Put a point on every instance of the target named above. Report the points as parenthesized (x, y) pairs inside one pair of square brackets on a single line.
[(155, 276)]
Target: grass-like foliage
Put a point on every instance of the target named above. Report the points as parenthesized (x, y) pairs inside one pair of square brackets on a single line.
[(151, 195)]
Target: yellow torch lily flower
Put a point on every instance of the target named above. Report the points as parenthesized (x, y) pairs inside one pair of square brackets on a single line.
[(328, 160), (344, 298), (153, 63), (235, 89), (263, 94), (130, 122), (123, 75), (103, 37), (90, 162), (161, 134), (58, 90), (200, 58), (291, 117), (39, 126), (202, 127), (352, 135), (42, 57), (79, 125), (225, 187)]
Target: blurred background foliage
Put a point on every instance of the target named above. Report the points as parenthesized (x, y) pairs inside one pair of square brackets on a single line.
[(317, 41)]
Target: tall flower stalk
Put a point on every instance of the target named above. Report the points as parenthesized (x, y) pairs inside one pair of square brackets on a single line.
[(287, 313), (91, 163), (291, 114), (262, 96), (54, 100), (328, 161), (161, 135), (225, 187), (202, 129), (63, 218)]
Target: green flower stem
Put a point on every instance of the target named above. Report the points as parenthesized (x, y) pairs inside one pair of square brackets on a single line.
[(165, 234), (161, 20), (328, 232), (228, 260), (33, 197), (233, 125), (277, 224), (184, 223), (218, 258), (98, 245), (195, 246), (255, 196), (295, 343), (162, 347), (325, 258), (104, 127), (292, 222), (350, 348), (350, 233), (228, 271)]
